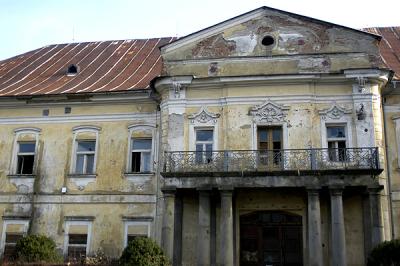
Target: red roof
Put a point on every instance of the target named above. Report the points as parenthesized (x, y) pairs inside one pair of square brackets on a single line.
[(389, 47), (102, 67)]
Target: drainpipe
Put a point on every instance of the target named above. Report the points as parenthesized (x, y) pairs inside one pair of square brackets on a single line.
[(389, 180)]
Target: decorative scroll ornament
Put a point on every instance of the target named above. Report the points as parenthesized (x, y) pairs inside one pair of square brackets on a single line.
[(335, 112), (269, 112), (177, 87), (203, 116)]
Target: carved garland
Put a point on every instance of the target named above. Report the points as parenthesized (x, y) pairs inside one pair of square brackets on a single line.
[(203, 116), (269, 112)]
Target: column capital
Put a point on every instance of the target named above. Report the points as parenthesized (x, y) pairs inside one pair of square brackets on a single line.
[(375, 189), (313, 191), (169, 191), (204, 189), (336, 190)]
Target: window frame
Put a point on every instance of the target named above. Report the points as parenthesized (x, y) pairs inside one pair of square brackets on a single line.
[(74, 157), (337, 156), (71, 221), (154, 151), (204, 143), (35, 132), (141, 151), (147, 221), (19, 153), (85, 158), (6, 222)]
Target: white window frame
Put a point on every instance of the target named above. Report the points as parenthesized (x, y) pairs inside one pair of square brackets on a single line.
[(76, 132), (153, 152), (337, 155), (23, 222), (14, 159), (136, 223), (141, 151), (68, 223), (204, 142), (85, 157), (26, 153)]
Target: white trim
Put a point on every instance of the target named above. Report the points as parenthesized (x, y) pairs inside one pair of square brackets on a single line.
[(344, 121), (24, 222), (14, 158), (256, 124), (154, 151), (135, 223), (78, 118), (196, 124), (81, 199), (76, 131), (66, 233)]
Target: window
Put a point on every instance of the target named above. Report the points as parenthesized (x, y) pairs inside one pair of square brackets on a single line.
[(25, 158), (336, 137), (141, 155), (77, 244), (204, 145), (85, 155), (10, 243), (270, 146), (138, 227)]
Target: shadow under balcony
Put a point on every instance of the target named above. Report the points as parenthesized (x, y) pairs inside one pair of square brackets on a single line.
[(256, 163)]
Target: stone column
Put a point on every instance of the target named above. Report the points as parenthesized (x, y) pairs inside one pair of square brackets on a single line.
[(314, 229), (338, 232), (203, 235), (167, 237), (226, 228), (376, 216)]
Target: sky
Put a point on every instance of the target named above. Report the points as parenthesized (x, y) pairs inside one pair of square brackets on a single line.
[(29, 24)]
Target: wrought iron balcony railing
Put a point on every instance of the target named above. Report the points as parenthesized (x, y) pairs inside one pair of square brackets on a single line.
[(294, 160)]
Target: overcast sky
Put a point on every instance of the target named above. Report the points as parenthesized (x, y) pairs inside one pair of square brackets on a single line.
[(29, 24)]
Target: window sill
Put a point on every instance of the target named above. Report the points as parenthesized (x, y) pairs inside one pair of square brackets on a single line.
[(139, 176), (22, 176), (82, 175)]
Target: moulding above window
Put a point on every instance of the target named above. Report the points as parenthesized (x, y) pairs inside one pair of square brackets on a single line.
[(335, 112), (269, 112), (79, 218), (138, 218), (203, 116), (27, 129), (15, 217), (138, 126), (86, 128)]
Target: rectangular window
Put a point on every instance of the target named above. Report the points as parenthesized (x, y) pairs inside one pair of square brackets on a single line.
[(141, 155), (77, 244), (10, 243), (85, 154), (270, 146), (25, 158), (204, 145), (336, 137)]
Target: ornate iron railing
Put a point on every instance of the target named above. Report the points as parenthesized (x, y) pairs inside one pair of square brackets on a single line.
[(271, 160)]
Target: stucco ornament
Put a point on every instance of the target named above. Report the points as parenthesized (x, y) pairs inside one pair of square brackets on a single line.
[(269, 112), (335, 112), (203, 116)]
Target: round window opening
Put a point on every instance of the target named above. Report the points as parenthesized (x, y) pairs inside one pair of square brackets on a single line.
[(268, 40)]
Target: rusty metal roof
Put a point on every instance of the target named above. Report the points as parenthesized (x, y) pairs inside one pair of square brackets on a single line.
[(106, 66), (389, 47)]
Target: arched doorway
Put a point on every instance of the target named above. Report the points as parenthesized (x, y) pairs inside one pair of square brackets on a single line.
[(271, 238)]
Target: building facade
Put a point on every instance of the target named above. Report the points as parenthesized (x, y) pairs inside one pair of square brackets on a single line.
[(257, 141)]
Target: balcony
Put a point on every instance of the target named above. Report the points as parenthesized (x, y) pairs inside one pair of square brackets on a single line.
[(290, 162)]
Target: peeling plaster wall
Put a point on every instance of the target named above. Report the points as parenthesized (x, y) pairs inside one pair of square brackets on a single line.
[(300, 45), (108, 197)]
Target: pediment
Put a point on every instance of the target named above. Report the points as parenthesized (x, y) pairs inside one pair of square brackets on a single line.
[(269, 112), (287, 33), (335, 112), (203, 116)]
